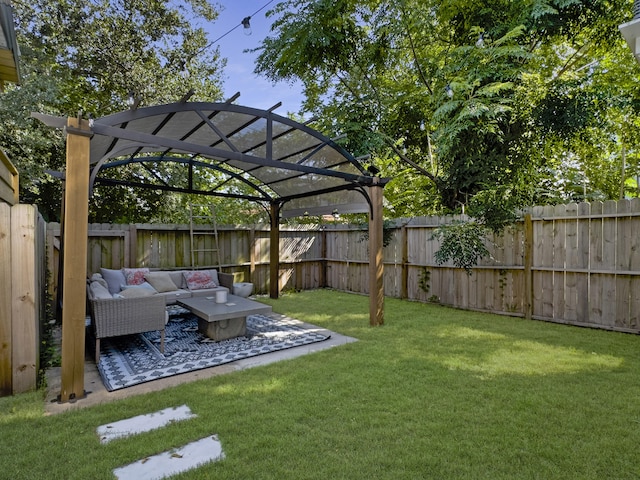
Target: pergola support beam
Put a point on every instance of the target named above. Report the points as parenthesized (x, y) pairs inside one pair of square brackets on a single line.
[(274, 251), (376, 265), (75, 223)]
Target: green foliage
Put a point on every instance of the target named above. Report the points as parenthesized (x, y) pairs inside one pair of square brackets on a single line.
[(462, 243), (88, 56), (377, 71)]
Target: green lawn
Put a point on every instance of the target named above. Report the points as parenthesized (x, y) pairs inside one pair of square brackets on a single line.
[(434, 393)]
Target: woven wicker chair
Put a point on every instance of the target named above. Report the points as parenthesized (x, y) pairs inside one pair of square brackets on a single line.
[(113, 317)]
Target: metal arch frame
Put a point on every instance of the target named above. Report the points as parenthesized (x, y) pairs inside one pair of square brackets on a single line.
[(190, 162), (169, 109)]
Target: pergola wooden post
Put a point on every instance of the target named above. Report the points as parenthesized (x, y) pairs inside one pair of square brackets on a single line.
[(274, 251), (76, 201), (376, 266)]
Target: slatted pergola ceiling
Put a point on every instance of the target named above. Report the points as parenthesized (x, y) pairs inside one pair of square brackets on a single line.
[(228, 150)]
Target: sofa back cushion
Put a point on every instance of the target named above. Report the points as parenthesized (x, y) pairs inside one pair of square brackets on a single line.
[(178, 278), (135, 276), (114, 279), (199, 279), (214, 277), (99, 291), (161, 281)]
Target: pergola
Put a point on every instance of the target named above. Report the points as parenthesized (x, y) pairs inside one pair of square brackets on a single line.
[(216, 149)]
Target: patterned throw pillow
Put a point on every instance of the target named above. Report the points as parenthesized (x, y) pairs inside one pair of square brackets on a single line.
[(134, 276), (199, 280)]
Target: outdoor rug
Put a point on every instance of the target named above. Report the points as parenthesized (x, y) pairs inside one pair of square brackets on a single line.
[(134, 359)]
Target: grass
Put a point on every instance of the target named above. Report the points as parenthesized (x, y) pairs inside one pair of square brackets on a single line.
[(434, 393)]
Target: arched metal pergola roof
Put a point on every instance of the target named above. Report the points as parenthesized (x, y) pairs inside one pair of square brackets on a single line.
[(213, 149), (228, 150)]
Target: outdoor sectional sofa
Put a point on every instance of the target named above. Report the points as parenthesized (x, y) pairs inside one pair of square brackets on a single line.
[(134, 300)]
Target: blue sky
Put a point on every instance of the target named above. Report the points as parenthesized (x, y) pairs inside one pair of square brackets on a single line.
[(238, 75)]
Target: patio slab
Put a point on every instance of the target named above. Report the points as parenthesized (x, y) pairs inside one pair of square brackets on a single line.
[(143, 423), (98, 394), (172, 462)]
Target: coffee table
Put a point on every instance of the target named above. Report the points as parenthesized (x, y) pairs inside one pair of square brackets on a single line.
[(221, 321)]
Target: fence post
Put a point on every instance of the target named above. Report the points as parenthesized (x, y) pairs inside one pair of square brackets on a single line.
[(5, 300), (404, 280), (528, 264)]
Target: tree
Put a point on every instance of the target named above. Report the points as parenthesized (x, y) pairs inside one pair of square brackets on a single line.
[(464, 95), (87, 57)]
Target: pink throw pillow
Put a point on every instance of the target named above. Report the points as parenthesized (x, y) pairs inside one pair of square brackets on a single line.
[(135, 276), (199, 280)]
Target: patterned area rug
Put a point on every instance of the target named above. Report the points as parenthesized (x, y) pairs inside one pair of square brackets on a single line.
[(134, 359)]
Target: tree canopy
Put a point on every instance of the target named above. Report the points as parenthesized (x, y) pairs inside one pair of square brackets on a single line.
[(477, 106), (470, 106), (90, 57)]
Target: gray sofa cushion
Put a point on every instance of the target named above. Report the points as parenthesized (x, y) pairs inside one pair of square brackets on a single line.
[(114, 279), (161, 281), (178, 278), (136, 293), (208, 292), (97, 290), (173, 297)]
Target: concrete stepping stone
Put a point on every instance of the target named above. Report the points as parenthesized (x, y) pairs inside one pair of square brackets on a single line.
[(175, 461), (143, 423)]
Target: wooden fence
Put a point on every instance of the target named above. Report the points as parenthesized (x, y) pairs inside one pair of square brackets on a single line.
[(22, 304), (8, 181), (577, 264)]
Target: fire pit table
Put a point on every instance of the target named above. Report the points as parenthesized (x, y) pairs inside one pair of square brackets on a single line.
[(221, 321)]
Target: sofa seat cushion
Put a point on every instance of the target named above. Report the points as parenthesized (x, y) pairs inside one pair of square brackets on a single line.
[(135, 293), (143, 285), (173, 297), (208, 292)]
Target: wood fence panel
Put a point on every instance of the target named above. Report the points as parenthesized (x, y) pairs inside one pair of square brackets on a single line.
[(25, 298), (609, 263), (582, 278), (595, 262), (538, 243), (571, 261), (559, 257), (392, 280), (492, 292), (436, 284), (623, 244), (548, 241), (9, 181), (567, 242), (6, 301), (634, 265), (447, 285), (461, 284)]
